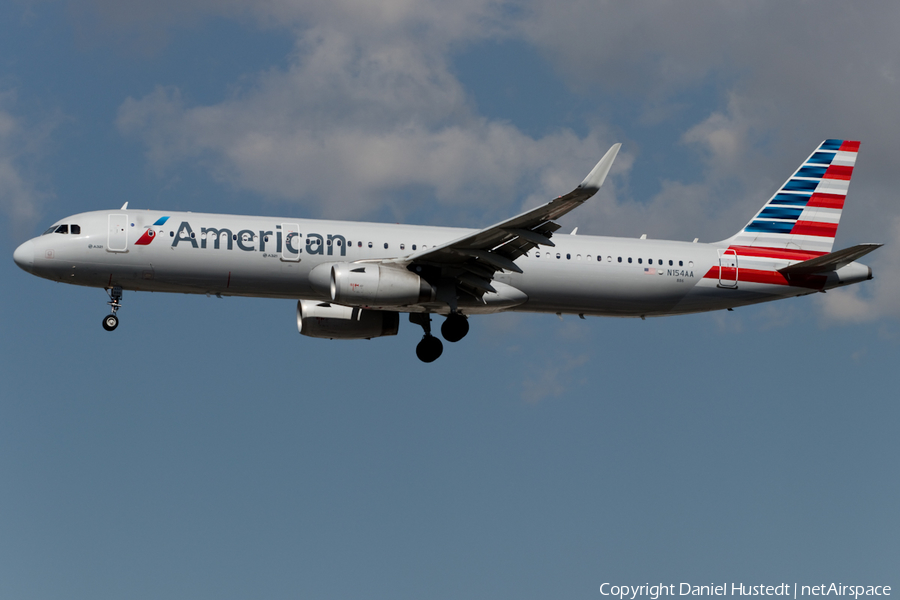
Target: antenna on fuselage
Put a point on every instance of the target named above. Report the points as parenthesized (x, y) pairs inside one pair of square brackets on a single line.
[(124, 206)]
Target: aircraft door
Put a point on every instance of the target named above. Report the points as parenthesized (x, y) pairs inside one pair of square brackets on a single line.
[(728, 268), (118, 233), (290, 246)]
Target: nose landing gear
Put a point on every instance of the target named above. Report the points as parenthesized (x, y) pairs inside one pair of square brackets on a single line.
[(430, 348), (111, 321)]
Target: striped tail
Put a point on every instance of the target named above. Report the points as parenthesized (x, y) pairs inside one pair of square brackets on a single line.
[(804, 214)]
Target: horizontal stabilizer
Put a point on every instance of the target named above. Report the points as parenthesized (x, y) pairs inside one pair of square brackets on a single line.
[(830, 262)]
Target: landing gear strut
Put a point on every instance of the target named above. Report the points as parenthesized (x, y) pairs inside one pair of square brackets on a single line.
[(430, 348), (455, 327), (111, 321)]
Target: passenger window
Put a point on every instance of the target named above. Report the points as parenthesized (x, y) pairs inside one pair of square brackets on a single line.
[(359, 244), (680, 263), (385, 245), (171, 234), (568, 257), (370, 244), (558, 256), (537, 254), (640, 261), (629, 260), (62, 229), (414, 247), (75, 229), (403, 246), (588, 257), (670, 263), (620, 259), (609, 259)]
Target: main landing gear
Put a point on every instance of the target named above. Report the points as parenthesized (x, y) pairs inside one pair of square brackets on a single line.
[(455, 327), (430, 348), (111, 321)]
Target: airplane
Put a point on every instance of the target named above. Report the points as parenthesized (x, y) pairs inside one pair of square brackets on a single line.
[(352, 280)]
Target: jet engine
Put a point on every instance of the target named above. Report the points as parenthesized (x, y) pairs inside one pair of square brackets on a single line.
[(368, 284), (335, 322)]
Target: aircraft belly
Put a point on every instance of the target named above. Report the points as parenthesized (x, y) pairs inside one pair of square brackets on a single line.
[(224, 272), (78, 262), (598, 290), (708, 296)]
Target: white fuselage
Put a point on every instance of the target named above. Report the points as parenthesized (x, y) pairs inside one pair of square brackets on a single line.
[(273, 257)]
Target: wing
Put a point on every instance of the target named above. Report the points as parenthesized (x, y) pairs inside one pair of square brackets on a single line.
[(474, 259)]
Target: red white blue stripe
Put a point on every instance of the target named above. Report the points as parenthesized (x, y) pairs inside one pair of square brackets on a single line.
[(804, 213), (799, 221)]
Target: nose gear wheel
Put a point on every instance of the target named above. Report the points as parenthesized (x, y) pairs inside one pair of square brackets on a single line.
[(111, 321)]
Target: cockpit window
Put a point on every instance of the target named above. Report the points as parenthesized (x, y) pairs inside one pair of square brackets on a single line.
[(74, 229)]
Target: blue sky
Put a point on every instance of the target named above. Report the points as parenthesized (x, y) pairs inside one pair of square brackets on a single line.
[(206, 450)]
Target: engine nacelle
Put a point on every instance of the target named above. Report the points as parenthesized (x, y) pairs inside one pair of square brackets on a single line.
[(335, 322), (369, 284)]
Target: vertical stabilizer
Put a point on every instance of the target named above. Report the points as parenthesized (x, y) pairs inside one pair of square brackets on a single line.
[(804, 214)]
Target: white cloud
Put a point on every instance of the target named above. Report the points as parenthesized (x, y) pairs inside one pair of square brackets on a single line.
[(730, 185), (351, 124), (20, 146), (789, 75), (146, 25), (871, 300), (551, 378)]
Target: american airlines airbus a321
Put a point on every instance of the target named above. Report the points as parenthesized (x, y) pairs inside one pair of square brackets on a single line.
[(352, 280)]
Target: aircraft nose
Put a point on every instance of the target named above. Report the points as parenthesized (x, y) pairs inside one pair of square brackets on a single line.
[(24, 256)]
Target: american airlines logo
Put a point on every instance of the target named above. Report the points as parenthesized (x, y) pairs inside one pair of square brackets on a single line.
[(149, 234), (257, 241)]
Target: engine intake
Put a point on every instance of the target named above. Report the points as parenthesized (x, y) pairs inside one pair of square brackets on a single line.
[(335, 322), (366, 284)]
